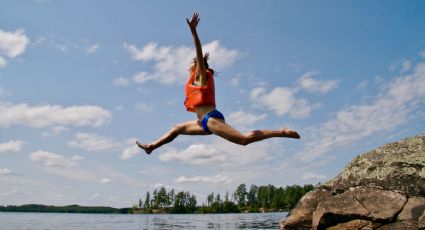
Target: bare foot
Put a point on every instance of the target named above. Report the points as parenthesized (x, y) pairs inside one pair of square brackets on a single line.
[(289, 133), (148, 148)]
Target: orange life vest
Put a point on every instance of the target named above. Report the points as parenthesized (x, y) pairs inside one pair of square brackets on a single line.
[(199, 95)]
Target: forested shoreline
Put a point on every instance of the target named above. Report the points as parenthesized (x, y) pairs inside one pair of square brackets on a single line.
[(266, 198)]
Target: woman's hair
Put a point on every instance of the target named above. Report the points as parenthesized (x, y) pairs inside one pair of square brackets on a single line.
[(207, 66)]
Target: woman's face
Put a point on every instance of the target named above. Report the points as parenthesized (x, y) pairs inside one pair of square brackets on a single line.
[(192, 66)]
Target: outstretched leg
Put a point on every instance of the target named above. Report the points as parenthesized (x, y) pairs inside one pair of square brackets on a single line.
[(186, 128), (219, 128)]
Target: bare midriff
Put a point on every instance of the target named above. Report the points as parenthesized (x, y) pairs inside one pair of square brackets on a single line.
[(202, 110)]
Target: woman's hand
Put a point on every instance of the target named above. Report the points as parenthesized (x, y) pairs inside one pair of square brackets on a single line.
[(193, 22)]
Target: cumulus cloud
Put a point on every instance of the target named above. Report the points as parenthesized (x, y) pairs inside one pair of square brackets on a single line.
[(13, 44), (205, 180), (310, 84), (198, 154), (93, 142), (96, 143), (92, 49), (52, 115), (11, 146), (52, 159), (392, 107), (221, 153), (55, 131), (105, 181), (4, 171), (285, 101), (131, 151), (406, 66), (244, 118), (171, 63), (142, 77), (307, 176), (282, 101), (77, 158), (120, 82), (362, 85)]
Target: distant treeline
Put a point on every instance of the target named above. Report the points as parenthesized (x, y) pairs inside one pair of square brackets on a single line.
[(62, 209), (255, 199)]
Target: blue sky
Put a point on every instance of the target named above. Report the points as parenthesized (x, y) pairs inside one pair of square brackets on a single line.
[(80, 81)]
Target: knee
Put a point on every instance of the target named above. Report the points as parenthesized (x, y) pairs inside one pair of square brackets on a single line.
[(247, 139), (243, 141)]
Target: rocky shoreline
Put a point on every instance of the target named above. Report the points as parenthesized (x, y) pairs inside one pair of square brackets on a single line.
[(381, 189)]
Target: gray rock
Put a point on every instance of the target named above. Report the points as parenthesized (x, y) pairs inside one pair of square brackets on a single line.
[(301, 216), (413, 209), (372, 188), (398, 166), (400, 225), (421, 221), (358, 203), (355, 225)]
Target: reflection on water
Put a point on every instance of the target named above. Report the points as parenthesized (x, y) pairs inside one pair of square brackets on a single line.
[(47, 221)]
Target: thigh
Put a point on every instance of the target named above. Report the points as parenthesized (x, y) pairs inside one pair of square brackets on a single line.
[(220, 128), (192, 128)]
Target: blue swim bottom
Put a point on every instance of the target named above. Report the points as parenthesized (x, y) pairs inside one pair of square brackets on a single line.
[(215, 114)]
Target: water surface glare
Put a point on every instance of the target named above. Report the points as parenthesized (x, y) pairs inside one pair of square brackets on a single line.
[(53, 221)]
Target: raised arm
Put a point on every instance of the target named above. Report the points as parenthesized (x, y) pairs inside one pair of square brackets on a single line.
[(200, 66)]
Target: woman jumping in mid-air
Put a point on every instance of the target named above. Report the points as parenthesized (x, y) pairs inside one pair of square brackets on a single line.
[(200, 99)]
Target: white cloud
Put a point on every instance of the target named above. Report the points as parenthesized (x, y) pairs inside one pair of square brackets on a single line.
[(406, 66), (244, 118), (221, 154), (198, 154), (307, 176), (11, 146), (362, 85), (13, 44), (94, 196), (55, 131), (171, 63), (105, 181), (392, 107), (93, 142), (51, 159), (4, 171), (120, 82), (141, 77), (97, 143), (130, 151), (282, 101), (77, 158), (205, 180), (3, 62), (308, 83), (51, 115), (92, 49)]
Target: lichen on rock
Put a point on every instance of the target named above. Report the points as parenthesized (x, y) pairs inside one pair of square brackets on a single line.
[(381, 189)]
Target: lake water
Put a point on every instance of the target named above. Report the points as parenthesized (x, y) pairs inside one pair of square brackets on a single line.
[(53, 221)]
